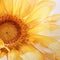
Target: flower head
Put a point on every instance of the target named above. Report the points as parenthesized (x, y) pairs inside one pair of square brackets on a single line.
[(25, 28)]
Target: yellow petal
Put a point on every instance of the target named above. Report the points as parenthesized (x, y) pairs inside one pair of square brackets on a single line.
[(26, 8), (54, 25), (45, 29), (2, 9), (43, 40), (14, 55), (41, 11), (56, 48), (39, 29), (17, 7), (42, 44), (1, 44), (3, 58), (8, 4), (49, 20), (30, 53), (47, 53), (31, 56), (52, 19), (21, 8)]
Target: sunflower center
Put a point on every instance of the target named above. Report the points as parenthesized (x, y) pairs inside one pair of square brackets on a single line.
[(11, 29)]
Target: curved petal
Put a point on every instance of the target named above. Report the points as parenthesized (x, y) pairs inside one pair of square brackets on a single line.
[(43, 40), (41, 29), (30, 53), (13, 55), (1, 44), (42, 43), (41, 11), (30, 4), (47, 53), (54, 25), (54, 19), (31, 56), (53, 22), (8, 4), (49, 27), (22, 8)]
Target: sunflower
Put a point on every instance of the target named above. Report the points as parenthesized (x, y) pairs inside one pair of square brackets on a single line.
[(27, 31)]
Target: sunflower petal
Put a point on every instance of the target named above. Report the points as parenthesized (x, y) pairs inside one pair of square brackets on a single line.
[(16, 7), (27, 7), (2, 9), (30, 53), (53, 23), (31, 56), (42, 43), (1, 44), (8, 4), (54, 26), (56, 48), (42, 29), (23, 8), (41, 11), (48, 53), (52, 19), (50, 27), (43, 40), (13, 55)]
